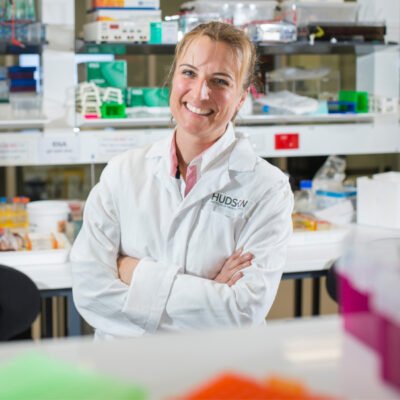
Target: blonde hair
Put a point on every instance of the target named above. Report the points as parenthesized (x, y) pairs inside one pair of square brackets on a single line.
[(232, 36)]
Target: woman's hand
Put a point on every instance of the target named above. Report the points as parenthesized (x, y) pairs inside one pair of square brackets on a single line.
[(126, 265), (230, 272)]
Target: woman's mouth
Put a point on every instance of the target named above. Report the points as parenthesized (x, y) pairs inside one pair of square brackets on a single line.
[(198, 111)]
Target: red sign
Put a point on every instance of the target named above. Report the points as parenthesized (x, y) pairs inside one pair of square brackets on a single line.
[(286, 141)]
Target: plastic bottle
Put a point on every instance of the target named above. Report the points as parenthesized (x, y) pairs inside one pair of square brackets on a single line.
[(24, 213), (304, 198), (9, 214), (3, 205), (17, 209)]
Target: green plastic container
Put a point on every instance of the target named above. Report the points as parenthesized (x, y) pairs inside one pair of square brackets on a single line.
[(113, 110), (360, 98)]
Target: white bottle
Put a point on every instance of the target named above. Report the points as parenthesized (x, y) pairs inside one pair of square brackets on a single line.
[(304, 201)]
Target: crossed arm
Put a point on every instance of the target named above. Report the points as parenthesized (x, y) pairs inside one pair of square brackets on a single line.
[(230, 272)]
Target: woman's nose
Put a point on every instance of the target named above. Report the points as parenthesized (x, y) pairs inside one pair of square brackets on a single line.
[(202, 90), (204, 94)]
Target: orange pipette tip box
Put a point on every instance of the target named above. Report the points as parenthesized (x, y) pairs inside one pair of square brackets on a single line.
[(233, 386), (228, 386)]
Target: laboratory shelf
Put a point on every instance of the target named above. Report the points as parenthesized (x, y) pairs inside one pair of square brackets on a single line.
[(91, 146), (7, 48), (124, 48), (165, 121), (301, 47), (307, 119), (33, 123)]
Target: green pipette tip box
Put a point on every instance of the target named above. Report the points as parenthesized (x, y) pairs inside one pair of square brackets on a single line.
[(359, 98), (37, 376)]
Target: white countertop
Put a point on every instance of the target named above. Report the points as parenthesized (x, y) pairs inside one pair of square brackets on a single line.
[(315, 351), (305, 253)]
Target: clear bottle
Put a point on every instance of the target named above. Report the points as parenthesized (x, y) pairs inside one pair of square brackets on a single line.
[(304, 200)]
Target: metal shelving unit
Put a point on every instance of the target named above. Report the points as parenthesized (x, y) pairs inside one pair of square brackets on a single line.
[(124, 48), (164, 121), (22, 124), (322, 48), (301, 47), (10, 49)]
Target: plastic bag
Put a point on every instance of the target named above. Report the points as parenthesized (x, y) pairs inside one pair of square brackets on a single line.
[(331, 175)]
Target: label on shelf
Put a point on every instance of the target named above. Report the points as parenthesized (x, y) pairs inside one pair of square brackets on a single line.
[(285, 141), (58, 149), (15, 151), (112, 144)]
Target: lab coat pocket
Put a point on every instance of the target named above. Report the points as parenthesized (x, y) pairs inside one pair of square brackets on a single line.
[(213, 240)]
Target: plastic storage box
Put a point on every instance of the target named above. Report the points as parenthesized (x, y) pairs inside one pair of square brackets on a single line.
[(26, 105), (237, 12), (326, 198), (369, 296), (30, 33), (378, 200), (311, 12)]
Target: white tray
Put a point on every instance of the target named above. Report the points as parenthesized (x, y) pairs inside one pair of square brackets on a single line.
[(334, 235), (37, 257)]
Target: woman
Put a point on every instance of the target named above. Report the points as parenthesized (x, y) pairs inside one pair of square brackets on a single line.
[(190, 232)]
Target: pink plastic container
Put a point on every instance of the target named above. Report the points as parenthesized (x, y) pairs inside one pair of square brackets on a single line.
[(369, 298), (358, 318), (386, 304), (390, 352)]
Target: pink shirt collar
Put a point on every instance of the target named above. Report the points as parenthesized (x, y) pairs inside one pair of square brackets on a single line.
[(193, 170)]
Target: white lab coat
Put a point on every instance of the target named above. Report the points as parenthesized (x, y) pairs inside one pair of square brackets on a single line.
[(137, 209)]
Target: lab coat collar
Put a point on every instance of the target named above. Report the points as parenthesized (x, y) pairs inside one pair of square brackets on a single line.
[(241, 159)]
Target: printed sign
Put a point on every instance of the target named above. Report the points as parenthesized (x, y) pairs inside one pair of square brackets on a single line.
[(15, 152), (58, 149)]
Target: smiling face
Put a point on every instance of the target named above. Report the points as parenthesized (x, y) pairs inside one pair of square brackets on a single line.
[(206, 89)]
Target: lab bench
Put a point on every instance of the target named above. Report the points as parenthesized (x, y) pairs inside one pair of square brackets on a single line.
[(314, 351), (304, 260)]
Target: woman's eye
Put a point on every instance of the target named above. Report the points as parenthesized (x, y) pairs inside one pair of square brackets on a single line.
[(188, 72), (220, 81)]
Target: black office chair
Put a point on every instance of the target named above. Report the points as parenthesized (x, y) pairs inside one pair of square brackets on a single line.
[(331, 283), (19, 303)]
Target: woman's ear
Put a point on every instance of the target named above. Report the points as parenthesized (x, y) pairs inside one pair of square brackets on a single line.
[(242, 99)]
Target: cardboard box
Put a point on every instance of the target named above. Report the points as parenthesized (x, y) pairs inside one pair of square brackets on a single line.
[(123, 14), (154, 4), (378, 200), (148, 97)]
